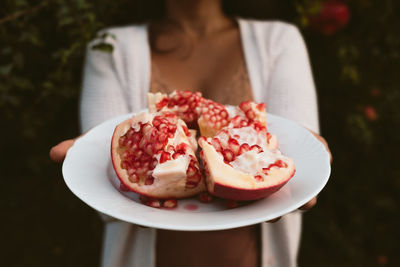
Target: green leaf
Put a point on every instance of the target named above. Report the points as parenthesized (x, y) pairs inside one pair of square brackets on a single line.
[(103, 47)]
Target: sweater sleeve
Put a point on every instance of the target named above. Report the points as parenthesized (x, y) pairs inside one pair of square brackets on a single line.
[(291, 89), (102, 95)]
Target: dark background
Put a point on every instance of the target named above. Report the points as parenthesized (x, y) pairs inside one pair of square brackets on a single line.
[(356, 68)]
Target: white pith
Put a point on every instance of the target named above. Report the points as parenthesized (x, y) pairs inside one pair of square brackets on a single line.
[(224, 174), (261, 115)]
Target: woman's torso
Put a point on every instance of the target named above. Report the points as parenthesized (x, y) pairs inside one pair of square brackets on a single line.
[(217, 69)]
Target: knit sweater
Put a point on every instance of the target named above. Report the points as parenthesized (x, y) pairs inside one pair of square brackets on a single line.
[(117, 83)]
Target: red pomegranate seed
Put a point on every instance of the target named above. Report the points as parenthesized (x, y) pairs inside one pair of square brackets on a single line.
[(245, 105), (279, 163), (244, 148), (182, 147), (216, 144), (260, 106), (165, 156), (259, 178), (154, 203), (228, 155), (205, 197), (133, 178), (170, 203), (187, 103), (234, 145), (149, 181), (186, 130), (256, 147), (191, 171), (162, 103), (250, 114), (125, 164)]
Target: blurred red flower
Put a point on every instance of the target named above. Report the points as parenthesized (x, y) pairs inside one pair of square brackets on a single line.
[(332, 16), (370, 113)]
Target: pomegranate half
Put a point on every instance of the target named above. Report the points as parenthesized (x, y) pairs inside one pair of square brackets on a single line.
[(154, 155), (241, 163)]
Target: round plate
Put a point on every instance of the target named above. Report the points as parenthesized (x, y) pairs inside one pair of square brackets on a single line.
[(89, 174)]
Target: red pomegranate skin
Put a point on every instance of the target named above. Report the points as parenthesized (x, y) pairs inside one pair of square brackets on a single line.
[(333, 16), (229, 192)]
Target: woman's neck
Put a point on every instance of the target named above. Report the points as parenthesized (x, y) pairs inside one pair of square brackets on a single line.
[(197, 17)]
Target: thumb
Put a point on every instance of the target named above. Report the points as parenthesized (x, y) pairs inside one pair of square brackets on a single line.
[(58, 152)]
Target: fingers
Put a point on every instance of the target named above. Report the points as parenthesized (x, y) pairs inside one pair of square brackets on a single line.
[(306, 206), (274, 220), (58, 152), (309, 204)]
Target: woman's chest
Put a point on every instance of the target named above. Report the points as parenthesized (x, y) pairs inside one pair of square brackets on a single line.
[(217, 69)]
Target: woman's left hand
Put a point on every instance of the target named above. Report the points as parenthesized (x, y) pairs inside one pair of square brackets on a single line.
[(313, 201)]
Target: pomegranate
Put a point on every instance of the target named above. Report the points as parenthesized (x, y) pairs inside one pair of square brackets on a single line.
[(241, 164), (185, 104), (152, 155), (210, 115)]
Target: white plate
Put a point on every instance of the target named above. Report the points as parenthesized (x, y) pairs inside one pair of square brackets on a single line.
[(89, 174)]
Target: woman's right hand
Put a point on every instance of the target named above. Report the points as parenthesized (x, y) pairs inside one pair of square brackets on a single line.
[(58, 152)]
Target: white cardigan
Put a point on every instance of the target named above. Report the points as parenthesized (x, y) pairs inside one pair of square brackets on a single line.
[(280, 76)]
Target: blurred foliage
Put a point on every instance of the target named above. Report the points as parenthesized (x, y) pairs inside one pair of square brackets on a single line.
[(357, 74)]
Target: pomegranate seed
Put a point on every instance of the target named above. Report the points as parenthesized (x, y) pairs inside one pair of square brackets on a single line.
[(175, 155), (170, 203), (256, 147), (186, 130), (216, 144), (182, 147), (234, 145), (244, 148), (149, 181), (149, 149), (245, 106), (165, 156), (259, 178), (191, 171), (154, 203), (280, 164), (141, 170), (133, 178), (125, 164), (205, 197), (228, 155), (250, 114), (157, 147), (260, 107)]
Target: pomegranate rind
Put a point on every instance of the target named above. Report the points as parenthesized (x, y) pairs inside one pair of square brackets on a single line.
[(171, 185), (225, 182)]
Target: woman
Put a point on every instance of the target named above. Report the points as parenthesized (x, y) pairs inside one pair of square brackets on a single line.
[(197, 47)]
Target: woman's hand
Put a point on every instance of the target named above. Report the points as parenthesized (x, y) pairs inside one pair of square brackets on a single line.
[(58, 152), (313, 201)]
